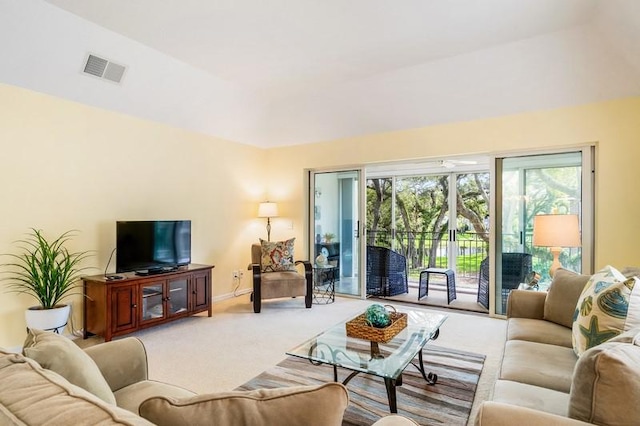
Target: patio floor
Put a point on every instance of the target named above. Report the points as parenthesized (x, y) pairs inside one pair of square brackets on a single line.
[(466, 295)]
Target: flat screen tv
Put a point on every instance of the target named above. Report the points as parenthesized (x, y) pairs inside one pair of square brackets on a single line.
[(152, 246)]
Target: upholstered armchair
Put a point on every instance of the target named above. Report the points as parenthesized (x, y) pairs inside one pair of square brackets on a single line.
[(272, 282)]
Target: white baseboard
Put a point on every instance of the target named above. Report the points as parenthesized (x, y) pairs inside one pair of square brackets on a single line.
[(231, 295)]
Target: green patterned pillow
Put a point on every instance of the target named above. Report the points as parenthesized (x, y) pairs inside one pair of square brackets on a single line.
[(277, 256), (607, 307)]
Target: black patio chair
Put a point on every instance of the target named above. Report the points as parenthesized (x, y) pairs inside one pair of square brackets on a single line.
[(515, 268), (386, 272)]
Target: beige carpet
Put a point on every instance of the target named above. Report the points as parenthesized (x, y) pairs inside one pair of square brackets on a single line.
[(223, 352)]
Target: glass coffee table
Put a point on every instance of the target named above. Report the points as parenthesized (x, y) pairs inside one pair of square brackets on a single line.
[(387, 360)]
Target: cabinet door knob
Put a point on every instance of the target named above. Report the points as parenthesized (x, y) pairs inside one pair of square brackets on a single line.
[(134, 306)]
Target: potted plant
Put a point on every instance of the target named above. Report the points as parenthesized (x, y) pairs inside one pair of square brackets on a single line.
[(47, 271), (328, 237)]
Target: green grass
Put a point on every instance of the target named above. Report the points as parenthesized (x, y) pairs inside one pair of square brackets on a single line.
[(469, 264)]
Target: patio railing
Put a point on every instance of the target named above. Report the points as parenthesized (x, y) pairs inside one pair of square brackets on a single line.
[(431, 249)]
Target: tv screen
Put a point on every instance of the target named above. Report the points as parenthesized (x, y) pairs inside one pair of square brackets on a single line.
[(152, 245)]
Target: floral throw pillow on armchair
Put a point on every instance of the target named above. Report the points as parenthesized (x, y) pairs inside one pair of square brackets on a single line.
[(277, 256)]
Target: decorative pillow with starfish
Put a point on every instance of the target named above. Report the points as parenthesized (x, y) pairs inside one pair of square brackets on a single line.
[(608, 306)]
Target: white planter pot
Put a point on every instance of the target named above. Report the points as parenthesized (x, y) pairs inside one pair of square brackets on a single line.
[(48, 319)]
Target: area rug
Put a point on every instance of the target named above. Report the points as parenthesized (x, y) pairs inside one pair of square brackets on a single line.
[(448, 402)]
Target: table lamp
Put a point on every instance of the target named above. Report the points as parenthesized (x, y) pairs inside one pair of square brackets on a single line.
[(268, 210), (556, 231)]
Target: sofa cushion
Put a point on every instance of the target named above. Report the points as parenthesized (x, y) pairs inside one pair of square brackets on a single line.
[(57, 353), (538, 398), (563, 295), (631, 271), (395, 420), (500, 414), (32, 395), (298, 405), (630, 336), (606, 382), (538, 364), (277, 255), (130, 397), (608, 306), (540, 331)]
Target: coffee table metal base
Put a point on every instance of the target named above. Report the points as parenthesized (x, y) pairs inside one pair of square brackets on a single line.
[(389, 383), (392, 384)]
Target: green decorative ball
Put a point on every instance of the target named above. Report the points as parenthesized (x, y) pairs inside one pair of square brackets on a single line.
[(378, 316)]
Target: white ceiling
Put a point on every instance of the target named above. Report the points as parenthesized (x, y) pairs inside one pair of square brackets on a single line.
[(283, 72), (279, 44)]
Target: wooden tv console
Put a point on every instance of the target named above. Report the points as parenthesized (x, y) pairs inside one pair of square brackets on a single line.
[(116, 307)]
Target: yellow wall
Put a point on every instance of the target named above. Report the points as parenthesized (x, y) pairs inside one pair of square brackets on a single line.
[(614, 126), (68, 166), (65, 166)]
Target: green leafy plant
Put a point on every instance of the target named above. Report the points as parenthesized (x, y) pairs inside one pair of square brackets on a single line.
[(328, 237), (45, 270)]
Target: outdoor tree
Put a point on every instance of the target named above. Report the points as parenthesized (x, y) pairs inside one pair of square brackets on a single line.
[(417, 225), (421, 213)]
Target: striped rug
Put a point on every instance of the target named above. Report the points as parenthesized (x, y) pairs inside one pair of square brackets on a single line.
[(448, 402)]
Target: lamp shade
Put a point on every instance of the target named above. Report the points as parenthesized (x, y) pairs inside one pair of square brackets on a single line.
[(556, 230), (268, 209)]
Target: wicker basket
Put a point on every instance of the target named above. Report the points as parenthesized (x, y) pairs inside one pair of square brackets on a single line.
[(360, 328)]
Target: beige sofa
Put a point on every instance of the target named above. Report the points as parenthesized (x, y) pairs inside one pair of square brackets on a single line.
[(57, 383), (542, 381)]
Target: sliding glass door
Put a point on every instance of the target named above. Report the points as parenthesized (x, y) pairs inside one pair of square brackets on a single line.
[(335, 225), (434, 220), (532, 185)]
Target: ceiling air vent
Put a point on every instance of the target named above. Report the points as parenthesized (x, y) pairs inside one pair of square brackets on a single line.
[(104, 68)]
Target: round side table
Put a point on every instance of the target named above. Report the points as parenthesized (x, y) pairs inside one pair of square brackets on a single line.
[(324, 280)]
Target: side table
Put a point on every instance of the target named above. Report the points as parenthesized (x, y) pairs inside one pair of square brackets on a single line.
[(423, 287), (324, 284), (544, 286)]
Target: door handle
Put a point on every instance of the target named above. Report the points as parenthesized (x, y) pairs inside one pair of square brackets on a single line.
[(357, 230)]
